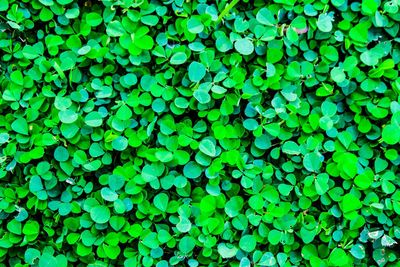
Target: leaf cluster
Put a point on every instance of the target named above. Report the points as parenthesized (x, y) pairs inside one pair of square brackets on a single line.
[(199, 133)]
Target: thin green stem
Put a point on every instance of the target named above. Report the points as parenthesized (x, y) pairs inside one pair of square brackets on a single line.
[(226, 10)]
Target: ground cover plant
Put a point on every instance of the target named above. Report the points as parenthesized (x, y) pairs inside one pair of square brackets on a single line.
[(199, 133)]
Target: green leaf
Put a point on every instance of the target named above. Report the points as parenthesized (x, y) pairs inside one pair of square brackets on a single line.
[(338, 257), (359, 33), (146, 42), (321, 183), (93, 119), (202, 96), (186, 244), (14, 227), (192, 170), (387, 241), (266, 17), (338, 75), (64, 2), (120, 143), (208, 204), (20, 126), (348, 165), (161, 201), (350, 203), (312, 161), (291, 148), (67, 116), (116, 182), (234, 206), (112, 252), (94, 19), (178, 58), (364, 180), (369, 7), (267, 259), (391, 134), (100, 214), (17, 77), (115, 29), (256, 202), (324, 22), (151, 241), (47, 260), (32, 52), (124, 113), (3, 5), (247, 243), (369, 58), (31, 255), (148, 173), (358, 251), (227, 250), (108, 194), (223, 44), (4, 137), (184, 225), (164, 156), (197, 71), (208, 147), (61, 154), (244, 46), (194, 25), (31, 228), (35, 184), (274, 237), (328, 108)]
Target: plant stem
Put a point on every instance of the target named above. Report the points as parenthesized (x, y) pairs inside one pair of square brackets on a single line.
[(226, 10)]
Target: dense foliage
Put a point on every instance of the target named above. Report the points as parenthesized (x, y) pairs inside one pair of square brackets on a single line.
[(199, 133)]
